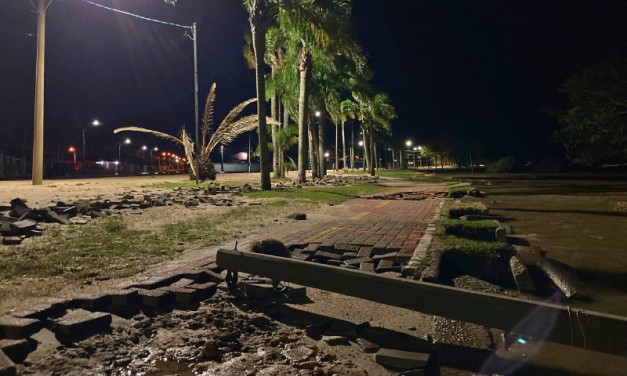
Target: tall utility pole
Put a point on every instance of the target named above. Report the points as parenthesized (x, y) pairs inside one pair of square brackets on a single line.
[(248, 152), (196, 144), (38, 134)]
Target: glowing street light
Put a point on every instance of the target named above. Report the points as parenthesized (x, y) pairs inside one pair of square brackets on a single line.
[(72, 150), (127, 141), (326, 155), (361, 143), (94, 123), (317, 113), (408, 143), (144, 147)]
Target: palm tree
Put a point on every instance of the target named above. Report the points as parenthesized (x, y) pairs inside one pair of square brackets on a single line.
[(228, 130), (377, 113), (348, 110)]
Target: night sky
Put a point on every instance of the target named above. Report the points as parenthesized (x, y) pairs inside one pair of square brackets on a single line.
[(476, 69)]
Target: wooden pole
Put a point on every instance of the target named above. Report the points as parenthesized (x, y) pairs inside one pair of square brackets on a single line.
[(556, 323)]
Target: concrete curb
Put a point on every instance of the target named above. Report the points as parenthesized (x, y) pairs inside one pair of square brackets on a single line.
[(420, 252)]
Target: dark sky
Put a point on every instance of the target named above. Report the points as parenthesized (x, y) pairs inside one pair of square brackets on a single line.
[(478, 69)]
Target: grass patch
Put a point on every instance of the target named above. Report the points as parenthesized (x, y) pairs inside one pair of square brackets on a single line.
[(320, 195), (477, 230), (407, 175), (474, 247)]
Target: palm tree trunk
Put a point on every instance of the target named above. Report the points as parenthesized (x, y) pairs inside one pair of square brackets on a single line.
[(274, 108), (304, 66), (373, 160), (322, 125), (258, 27), (312, 150), (343, 147), (366, 151), (337, 136), (286, 123), (352, 151)]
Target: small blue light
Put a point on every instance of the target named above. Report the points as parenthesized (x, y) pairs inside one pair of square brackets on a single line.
[(522, 341)]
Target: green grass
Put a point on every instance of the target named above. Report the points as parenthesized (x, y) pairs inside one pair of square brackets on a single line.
[(471, 224), (320, 195), (407, 175), (473, 247)]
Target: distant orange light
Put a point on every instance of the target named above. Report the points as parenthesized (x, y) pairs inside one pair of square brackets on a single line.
[(163, 153), (71, 149), (168, 153)]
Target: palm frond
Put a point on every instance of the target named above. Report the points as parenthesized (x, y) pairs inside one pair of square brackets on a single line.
[(144, 130), (227, 132), (235, 112), (207, 119)]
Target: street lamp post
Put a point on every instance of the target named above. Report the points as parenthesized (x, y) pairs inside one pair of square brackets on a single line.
[(127, 141), (73, 151), (361, 143), (94, 123)]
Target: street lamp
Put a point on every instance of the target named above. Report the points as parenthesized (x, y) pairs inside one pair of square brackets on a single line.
[(72, 150), (361, 144), (222, 156), (94, 123), (408, 143), (127, 141)]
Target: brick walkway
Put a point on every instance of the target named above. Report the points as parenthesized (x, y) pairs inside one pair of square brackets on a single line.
[(375, 227)]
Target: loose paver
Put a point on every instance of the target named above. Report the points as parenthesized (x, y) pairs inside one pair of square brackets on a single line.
[(18, 328), (16, 349), (401, 359), (155, 298), (81, 322), (7, 367)]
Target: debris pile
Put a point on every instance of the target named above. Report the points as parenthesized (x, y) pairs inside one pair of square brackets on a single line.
[(409, 196), (329, 180)]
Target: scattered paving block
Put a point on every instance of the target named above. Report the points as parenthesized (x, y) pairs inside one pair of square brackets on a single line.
[(57, 218), (11, 240), (184, 295), (528, 255), (206, 289), (7, 367), (155, 298), (521, 275), (566, 279), (23, 227), (121, 297), (43, 311), (349, 255), (357, 261), (335, 262), (385, 266), (408, 270), (386, 256), (18, 328), (404, 360), (258, 291), (311, 248), (301, 257), (81, 322), (295, 291), (335, 340), (16, 349), (366, 267), (198, 275), (91, 301), (327, 255), (183, 282), (367, 346), (156, 282), (364, 252), (346, 247), (216, 277)]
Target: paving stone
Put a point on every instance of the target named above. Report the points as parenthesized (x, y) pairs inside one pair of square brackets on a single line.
[(16, 349), (11, 240), (121, 297), (81, 322), (386, 266), (197, 275), (367, 346), (156, 282), (408, 270), (91, 301), (327, 255), (380, 248), (346, 247), (18, 328), (184, 295), (23, 227), (521, 275), (528, 255), (7, 367), (349, 255), (206, 289), (366, 267), (404, 360), (155, 298), (295, 291), (301, 257), (358, 261), (335, 262), (327, 246), (365, 252), (335, 340), (183, 282), (311, 248), (57, 218), (43, 311), (258, 291), (386, 256)]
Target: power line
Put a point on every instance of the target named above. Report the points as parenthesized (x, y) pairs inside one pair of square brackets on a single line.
[(17, 32), (137, 15)]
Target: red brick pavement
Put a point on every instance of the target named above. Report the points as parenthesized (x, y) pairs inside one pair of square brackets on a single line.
[(386, 226)]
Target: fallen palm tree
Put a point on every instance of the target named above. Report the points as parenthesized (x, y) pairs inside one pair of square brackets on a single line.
[(228, 130)]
